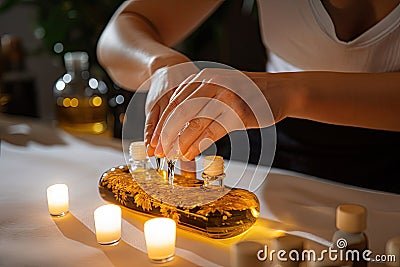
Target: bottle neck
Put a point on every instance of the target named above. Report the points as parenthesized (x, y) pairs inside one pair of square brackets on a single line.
[(78, 72), (139, 164), (213, 180), (77, 68)]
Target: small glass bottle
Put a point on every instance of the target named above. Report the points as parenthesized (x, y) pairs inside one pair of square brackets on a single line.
[(351, 221), (213, 173), (81, 105), (139, 162)]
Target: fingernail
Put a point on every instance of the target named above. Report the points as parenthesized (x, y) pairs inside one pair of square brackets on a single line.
[(150, 150)]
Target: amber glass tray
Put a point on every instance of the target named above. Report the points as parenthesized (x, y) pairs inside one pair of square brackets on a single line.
[(230, 215)]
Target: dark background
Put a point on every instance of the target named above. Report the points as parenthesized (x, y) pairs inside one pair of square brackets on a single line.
[(230, 36)]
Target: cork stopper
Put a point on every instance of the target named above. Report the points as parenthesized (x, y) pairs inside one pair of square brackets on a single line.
[(137, 151), (213, 165), (351, 218)]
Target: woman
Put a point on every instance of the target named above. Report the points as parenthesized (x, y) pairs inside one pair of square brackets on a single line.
[(337, 62)]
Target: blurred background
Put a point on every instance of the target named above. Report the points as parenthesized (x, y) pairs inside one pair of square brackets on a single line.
[(37, 69)]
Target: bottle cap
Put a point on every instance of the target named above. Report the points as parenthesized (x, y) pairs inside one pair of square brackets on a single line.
[(351, 218), (213, 165), (137, 151)]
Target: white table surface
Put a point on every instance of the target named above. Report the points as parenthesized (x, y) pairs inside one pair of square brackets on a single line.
[(34, 157)]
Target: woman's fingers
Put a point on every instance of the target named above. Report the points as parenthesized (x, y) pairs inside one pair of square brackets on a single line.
[(150, 125), (212, 133), (194, 130), (184, 109), (152, 119), (161, 87), (178, 120), (170, 106), (216, 129), (204, 112), (180, 89)]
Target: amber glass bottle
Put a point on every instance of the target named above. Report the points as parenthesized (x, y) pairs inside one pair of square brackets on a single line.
[(81, 105)]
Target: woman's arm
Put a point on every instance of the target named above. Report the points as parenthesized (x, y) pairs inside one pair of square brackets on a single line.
[(136, 41), (370, 100), (217, 101)]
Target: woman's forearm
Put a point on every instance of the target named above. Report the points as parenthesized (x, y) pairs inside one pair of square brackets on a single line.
[(130, 50), (137, 40), (370, 100)]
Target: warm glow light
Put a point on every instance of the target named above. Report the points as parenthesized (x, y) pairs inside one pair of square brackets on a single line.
[(67, 78), (121, 118), (160, 235), (102, 87), (74, 102), (60, 85), (107, 221), (254, 212), (93, 83), (96, 101), (59, 101), (66, 102), (119, 99), (58, 47), (57, 199), (98, 127)]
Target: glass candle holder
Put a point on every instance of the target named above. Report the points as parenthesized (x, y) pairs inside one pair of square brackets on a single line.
[(58, 200), (160, 235), (107, 220)]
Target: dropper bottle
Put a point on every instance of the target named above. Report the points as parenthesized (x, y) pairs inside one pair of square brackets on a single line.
[(351, 221)]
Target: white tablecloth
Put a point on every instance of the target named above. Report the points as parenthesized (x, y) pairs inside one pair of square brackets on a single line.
[(29, 236)]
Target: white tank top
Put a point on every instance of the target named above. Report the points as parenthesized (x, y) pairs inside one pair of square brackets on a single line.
[(300, 35)]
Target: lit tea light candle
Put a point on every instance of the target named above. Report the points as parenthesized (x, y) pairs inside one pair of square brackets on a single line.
[(160, 235), (57, 199), (107, 221)]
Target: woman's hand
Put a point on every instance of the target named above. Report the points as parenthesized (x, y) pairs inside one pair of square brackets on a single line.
[(217, 101), (204, 108), (161, 87)]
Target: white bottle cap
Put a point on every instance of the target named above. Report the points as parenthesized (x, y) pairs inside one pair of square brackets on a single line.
[(137, 151), (351, 218), (213, 165)]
